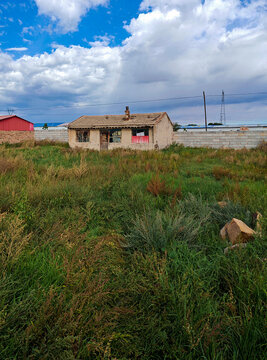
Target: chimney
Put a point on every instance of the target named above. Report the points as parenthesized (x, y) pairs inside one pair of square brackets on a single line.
[(127, 113)]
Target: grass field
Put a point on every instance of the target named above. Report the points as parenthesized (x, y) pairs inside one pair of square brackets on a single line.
[(117, 255)]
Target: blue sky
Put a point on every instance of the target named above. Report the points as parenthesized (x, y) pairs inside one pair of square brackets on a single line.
[(60, 58), (23, 27)]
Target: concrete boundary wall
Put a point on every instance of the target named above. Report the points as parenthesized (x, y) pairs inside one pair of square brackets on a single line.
[(51, 134), (221, 139), (213, 139)]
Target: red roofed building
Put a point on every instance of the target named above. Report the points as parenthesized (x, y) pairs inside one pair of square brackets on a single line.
[(14, 123), (14, 129)]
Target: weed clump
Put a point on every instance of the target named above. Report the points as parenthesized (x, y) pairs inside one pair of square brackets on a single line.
[(13, 239), (262, 146), (220, 172), (8, 165), (158, 187)]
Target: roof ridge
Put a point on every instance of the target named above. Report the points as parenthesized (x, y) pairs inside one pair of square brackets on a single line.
[(109, 115)]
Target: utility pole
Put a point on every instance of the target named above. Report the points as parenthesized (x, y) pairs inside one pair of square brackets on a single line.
[(205, 110), (222, 115)]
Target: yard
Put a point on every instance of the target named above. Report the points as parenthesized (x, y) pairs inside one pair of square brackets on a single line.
[(117, 255)]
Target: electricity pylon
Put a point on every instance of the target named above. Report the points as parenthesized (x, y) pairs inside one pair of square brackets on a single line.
[(222, 116)]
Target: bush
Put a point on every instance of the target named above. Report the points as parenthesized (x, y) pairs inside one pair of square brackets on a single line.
[(262, 146), (159, 230), (157, 187), (220, 172)]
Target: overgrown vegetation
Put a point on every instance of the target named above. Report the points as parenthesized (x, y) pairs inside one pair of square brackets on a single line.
[(117, 255)]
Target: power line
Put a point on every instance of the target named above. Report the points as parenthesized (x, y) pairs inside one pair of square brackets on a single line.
[(136, 101), (241, 94), (114, 103)]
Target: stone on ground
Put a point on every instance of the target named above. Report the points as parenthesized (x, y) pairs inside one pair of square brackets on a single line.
[(237, 232), (223, 232)]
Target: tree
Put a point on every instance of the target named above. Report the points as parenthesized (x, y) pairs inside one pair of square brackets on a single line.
[(176, 127), (45, 127)]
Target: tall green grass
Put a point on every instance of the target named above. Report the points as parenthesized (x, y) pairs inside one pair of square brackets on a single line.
[(117, 255)]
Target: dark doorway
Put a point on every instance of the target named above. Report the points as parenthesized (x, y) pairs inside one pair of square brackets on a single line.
[(104, 134)]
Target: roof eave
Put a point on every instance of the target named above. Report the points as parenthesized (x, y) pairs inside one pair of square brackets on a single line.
[(119, 126)]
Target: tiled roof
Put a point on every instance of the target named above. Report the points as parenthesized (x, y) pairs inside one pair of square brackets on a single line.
[(116, 121)]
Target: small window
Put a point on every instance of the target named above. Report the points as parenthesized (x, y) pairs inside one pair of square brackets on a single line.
[(140, 136), (82, 136), (115, 136)]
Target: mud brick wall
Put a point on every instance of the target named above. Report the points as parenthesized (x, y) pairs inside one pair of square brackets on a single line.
[(221, 139), (13, 137), (52, 134)]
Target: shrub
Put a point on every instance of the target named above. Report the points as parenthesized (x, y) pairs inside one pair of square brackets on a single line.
[(159, 230), (158, 187), (220, 172), (262, 146), (8, 165)]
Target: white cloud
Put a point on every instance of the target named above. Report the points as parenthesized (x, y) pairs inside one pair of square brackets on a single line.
[(28, 30), (27, 41), (177, 45), (66, 75), (100, 41), (177, 48), (167, 4), (67, 12), (17, 49)]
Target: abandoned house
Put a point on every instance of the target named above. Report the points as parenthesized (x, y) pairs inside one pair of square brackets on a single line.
[(135, 131)]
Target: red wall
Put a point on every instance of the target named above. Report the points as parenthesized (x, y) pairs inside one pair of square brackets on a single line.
[(140, 139), (15, 123)]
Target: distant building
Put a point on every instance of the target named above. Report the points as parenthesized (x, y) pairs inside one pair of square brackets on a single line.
[(14, 129), (63, 125), (135, 131)]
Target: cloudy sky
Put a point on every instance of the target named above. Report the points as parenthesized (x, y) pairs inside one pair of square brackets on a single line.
[(60, 59)]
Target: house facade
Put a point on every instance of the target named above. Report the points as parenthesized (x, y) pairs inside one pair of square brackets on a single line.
[(134, 131)]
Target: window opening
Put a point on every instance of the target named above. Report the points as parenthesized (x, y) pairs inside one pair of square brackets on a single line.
[(82, 136), (140, 136), (115, 136)]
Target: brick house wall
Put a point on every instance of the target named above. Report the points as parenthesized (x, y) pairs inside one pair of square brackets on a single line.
[(13, 137)]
